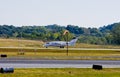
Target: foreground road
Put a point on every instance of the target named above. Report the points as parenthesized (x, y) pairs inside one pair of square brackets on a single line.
[(58, 63)]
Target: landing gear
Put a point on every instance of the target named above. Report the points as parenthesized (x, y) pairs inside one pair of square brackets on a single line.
[(61, 46)]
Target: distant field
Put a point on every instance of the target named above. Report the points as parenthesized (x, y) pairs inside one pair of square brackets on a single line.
[(33, 43), (63, 72), (20, 43)]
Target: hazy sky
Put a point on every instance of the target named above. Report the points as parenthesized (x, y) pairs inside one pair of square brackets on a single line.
[(84, 13)]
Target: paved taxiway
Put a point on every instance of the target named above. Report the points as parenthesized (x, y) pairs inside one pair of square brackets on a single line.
[(58, 63)]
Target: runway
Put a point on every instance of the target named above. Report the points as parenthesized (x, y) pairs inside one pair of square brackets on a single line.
[(58, 63)]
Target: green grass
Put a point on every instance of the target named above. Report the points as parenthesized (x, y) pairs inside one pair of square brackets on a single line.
[(20, 43), (64, 72), (61, 54)]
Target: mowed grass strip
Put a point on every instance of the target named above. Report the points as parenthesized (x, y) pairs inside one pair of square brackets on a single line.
[(63, 72), (56, 52), (61, 54)]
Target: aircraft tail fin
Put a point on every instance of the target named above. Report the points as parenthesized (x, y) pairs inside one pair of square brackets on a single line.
[(73, 41)]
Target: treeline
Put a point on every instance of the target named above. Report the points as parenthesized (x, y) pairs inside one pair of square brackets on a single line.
[(109, 34)]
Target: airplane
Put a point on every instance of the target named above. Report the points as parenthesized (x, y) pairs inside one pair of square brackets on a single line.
[(61, 44)]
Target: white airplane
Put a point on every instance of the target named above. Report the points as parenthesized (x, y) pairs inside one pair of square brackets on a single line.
[(61, 44)]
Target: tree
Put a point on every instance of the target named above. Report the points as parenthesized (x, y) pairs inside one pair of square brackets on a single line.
[(116, 34)]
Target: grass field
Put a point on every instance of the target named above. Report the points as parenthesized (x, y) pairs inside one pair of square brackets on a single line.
[(20, 43), (63, 72), (36, 52), (61, 54), (33, 43)]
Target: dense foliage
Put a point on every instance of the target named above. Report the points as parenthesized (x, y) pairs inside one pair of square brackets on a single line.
[(109, 34)]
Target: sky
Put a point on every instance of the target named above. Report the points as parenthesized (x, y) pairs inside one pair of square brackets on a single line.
[(83, 13)]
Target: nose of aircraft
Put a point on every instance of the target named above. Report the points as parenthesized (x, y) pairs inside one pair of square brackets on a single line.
[(44, 45)]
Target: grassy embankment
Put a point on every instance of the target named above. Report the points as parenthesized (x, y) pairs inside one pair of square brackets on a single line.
[(63, 72)]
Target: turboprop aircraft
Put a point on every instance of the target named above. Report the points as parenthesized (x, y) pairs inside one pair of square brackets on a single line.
[(61, 44)]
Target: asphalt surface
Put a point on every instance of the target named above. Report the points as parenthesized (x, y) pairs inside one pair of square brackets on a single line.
[(58, 63)]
